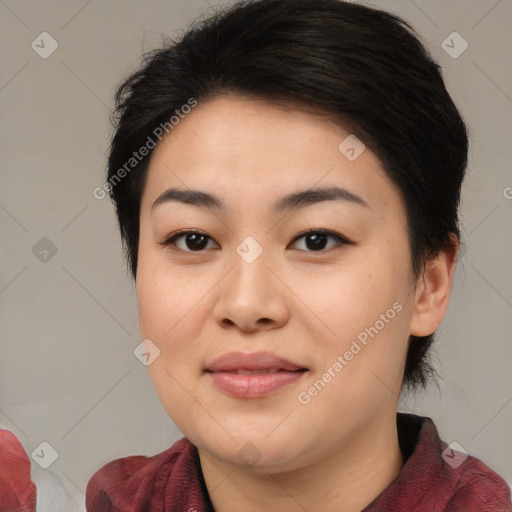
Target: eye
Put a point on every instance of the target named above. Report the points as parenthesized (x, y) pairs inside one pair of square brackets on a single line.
[(315, 239), (193, 241)]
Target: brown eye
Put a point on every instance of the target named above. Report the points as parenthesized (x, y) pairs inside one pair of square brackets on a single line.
[(188, 241), (316, 240)]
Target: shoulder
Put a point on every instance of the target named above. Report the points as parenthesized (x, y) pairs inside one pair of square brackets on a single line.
[(480, 489), (435, 477), (135, 482), (468, 484)]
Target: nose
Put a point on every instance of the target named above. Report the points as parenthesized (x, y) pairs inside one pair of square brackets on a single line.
[(252, 296)]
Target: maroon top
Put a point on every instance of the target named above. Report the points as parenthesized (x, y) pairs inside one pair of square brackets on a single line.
[(172, 481)]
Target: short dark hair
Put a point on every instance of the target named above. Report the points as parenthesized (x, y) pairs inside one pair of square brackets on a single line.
[(364, 67)]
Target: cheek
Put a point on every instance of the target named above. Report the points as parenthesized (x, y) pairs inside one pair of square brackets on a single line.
[(173, 309), (168, 311), (162, 296), (367, 308), (348, 299)]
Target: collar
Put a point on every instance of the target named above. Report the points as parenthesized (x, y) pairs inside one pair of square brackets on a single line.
[(173, 480)]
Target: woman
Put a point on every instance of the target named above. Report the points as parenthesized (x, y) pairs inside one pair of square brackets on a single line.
[(287, 178)]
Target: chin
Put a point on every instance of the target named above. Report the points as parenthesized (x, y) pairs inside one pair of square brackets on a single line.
[(255, 452)]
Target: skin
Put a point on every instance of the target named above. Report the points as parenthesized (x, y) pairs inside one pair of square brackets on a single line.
[(340, 450)]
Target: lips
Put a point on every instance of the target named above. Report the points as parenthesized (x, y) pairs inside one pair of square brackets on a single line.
[(252, 375), (258, 362)]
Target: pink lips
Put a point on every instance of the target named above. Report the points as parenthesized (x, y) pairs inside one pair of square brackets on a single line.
[(233, 373)]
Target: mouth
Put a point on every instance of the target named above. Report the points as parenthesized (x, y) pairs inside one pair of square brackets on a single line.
[(258, 372), (255, 375), (265, 362)]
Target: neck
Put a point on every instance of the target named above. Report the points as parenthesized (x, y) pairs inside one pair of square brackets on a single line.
[(347, 480)]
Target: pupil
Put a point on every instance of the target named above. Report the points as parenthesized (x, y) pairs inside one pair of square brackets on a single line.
[(318, 241), (194, 245)]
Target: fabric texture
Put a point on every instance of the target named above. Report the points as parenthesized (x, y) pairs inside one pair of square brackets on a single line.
[(17, 492), (172, 481)]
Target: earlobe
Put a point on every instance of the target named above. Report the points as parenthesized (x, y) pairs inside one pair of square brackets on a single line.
[(433, 291)]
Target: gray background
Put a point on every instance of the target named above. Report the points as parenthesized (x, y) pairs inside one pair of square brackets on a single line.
[(68, 375)]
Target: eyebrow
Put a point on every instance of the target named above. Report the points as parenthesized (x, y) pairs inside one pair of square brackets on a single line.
[(289, 202)]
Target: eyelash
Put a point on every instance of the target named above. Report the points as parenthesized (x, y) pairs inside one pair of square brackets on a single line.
[(169, 242)]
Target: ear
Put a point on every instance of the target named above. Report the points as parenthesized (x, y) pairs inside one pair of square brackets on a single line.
[(433, 291)]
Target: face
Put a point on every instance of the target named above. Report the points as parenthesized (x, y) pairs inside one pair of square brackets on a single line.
[(321, 284)]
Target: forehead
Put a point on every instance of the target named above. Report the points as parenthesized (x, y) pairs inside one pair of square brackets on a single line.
[(239, 148)]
